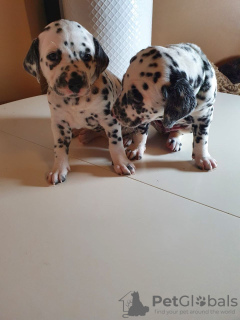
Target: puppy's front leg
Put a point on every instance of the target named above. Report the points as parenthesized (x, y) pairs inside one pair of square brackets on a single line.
[(62, 135), (174, 141), (122, 165), (201, 128), (137, 148)]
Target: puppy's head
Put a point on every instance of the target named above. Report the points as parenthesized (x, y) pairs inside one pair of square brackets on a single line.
[(68, 56), (153, 91), (176, 101)]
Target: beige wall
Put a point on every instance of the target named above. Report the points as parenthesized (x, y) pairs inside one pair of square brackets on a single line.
[(15, 38), (212, 24)]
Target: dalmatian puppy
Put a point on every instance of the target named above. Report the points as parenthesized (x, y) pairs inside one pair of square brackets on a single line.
[(81, 91), (173, 87)]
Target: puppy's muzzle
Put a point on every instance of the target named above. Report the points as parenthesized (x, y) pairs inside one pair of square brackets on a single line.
[(72, 83), (76, 82)]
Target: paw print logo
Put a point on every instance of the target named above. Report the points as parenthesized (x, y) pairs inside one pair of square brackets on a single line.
[(201, 301)]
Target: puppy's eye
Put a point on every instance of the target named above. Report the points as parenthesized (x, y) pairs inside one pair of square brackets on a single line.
[(86, 57), (53, 56)]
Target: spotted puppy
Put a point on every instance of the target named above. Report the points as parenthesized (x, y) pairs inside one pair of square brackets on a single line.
[(175, 86), (81, 91)]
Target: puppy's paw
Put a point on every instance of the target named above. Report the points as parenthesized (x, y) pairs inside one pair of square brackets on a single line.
[(174, 144), (124, 167), (205, 163), (58, 174), (135, 152), (127, 141)]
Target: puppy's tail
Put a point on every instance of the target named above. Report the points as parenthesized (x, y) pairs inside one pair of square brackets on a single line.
[(180, 101)]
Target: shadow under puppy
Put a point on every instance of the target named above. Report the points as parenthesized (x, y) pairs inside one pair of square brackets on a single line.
[(81, 92), (173, 87)]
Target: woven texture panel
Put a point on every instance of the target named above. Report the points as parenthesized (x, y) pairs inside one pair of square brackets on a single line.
[(123, 27)]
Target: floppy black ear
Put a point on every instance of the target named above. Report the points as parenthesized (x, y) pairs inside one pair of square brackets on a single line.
[(31, 61), (101, 58), (180, 101)]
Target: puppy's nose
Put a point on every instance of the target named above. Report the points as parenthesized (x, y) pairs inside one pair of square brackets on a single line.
[(75, 83)]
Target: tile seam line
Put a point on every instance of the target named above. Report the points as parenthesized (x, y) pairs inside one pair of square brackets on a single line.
[(129, 177), (177, 195)]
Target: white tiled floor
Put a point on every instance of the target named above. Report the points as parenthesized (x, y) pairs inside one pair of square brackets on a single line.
[(74, 250)]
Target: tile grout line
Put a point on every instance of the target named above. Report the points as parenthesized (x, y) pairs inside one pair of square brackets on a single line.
[(177, 195), (129, 177)]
